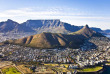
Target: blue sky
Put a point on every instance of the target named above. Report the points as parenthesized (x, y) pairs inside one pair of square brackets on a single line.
[(95, 13)]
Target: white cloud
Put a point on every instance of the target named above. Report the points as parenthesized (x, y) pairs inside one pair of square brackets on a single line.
[(69, 15), (31, 12)]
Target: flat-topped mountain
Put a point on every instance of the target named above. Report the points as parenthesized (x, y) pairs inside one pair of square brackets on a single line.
[(39, 26), (54, 26), (55, 40)]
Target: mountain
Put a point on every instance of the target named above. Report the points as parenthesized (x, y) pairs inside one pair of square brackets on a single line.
[(39, 26), (56, 40), (96, 29), (11, 26), (50, 40), (87, 32), (54, 26), (107, 31)]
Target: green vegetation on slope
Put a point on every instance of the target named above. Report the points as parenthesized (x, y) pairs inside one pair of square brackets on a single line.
[(91, 69), (10, 70)]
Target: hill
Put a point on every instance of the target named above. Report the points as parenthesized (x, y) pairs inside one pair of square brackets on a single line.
[(56, 40), (87, 32), (50, 40)]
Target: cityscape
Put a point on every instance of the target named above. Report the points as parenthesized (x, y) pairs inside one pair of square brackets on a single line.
[(54, 37)]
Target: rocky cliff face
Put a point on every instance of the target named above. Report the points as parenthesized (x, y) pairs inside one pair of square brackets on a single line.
[(54, 26)]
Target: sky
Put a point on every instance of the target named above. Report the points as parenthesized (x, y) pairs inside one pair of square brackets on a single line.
[(95, 13)]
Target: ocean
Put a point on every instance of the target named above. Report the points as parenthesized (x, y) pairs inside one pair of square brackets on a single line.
[(107, 36), (106, 70)]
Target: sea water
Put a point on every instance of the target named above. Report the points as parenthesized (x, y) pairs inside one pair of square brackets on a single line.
[(108, 36)]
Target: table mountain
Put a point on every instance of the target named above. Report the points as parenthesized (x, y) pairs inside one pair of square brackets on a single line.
[(39, 26), (54, 26)]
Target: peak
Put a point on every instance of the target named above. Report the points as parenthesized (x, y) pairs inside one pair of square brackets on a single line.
[(9, 20), (46, 33), (86, 26), (85, 31)]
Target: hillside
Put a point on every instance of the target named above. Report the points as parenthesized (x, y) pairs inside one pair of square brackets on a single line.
[(54, 40), (50, 40), (87, 32)]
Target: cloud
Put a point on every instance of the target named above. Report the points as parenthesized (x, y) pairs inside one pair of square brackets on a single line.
[(69, 15), (37, 12), (40, 13)]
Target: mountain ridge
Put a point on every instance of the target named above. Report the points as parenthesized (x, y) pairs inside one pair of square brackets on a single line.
[(56, 40), (87, 32), (12, 26), (39, 26)]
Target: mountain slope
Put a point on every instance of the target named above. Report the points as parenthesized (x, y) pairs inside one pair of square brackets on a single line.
[(107, 31), (54, 40), (39, 26), (11, 26), (50, 40), (87, 32), (54, 26)]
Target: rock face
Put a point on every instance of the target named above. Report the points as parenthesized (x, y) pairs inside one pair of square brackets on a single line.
[(54, 26), (56, 40)]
